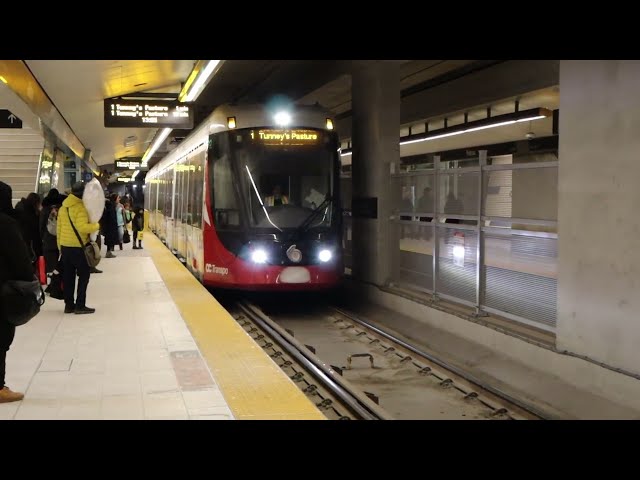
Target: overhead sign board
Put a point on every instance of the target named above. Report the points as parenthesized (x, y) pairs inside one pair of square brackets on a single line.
[(128, 164), (151, 113), (9, 120)]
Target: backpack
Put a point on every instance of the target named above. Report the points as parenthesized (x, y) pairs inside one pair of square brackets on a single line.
[(52, 222)]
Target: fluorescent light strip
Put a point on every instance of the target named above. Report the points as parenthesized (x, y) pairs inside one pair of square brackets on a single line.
[(194, 91), (435, 137), (135, 174), (531, 118), (432, 138), (159, 139), (499, 124), (193, 94), (509, 122)]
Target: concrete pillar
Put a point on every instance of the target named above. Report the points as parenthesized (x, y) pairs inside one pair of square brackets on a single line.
[(599, 211), (376, 125)]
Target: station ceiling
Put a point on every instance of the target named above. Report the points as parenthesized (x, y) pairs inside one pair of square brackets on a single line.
[(77, 88)]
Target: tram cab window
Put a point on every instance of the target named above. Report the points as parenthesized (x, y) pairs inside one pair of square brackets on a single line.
[(276, 185), (276, 189), (291, 184)]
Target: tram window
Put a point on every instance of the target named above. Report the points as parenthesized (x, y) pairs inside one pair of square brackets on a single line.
[(199, 188), (225, 204), (187, 210), (192, 192), (182, 185), (177, 197), (170, 195), (161, 193), (196, 184)]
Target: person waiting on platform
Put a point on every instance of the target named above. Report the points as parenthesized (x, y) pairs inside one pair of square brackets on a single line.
[(109, 225), (73, 222), (277, 199), (48, 230), (138, 227), (15, 264)]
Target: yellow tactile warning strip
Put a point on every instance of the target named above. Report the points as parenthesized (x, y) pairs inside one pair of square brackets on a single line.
[(252, 384)]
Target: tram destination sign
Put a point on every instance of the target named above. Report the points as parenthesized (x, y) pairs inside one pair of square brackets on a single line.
[(126, 113), (269, 136)]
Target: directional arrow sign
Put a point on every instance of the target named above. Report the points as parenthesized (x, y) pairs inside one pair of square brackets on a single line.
[(9, 120)]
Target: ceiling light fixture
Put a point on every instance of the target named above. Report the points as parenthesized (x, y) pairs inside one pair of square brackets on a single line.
[(198, 80), (489, 122), (164, 133), (199, 77)]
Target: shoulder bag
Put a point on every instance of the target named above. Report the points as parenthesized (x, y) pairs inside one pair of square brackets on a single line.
[(21, 300), (91, 249)]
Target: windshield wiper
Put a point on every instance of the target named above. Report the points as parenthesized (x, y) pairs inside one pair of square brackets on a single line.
[(304, 226)]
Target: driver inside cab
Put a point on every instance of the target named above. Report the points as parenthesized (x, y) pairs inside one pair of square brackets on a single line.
[(277, 199)]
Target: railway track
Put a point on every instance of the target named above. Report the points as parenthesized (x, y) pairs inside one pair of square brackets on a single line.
[(352, 369), (331, 393)]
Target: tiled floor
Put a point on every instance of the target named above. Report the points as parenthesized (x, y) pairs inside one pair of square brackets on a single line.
[(133, 359)]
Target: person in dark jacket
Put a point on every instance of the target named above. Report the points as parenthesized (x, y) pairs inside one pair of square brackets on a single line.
[(109, 224), (138, 226), (50, 203), (28, 216), (15, 264)]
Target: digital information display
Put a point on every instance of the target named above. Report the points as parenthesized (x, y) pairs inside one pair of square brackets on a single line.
[(286, 137), (147, 113), (128, 164)]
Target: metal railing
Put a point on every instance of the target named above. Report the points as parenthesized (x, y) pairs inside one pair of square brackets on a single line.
[(483, 235)]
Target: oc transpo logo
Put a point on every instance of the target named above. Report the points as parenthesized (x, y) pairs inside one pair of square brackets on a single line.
[(218, 270)]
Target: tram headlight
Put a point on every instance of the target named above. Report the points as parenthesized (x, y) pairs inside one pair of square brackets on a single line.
[(325, 255), (259, 256), (282, 118)]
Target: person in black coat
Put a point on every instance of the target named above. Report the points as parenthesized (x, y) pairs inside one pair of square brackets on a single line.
[(51, 202), (15, 264), (138, 227), (109, 227), (27, 213)]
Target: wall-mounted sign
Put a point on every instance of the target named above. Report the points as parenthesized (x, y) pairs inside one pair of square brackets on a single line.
[(125, 179), (9, 120), (128, 164), (122, 113)]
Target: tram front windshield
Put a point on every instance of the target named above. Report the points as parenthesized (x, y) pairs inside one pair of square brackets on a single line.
[(285, 175)]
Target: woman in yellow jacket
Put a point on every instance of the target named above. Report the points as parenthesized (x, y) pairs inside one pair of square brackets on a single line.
[(72, 255)]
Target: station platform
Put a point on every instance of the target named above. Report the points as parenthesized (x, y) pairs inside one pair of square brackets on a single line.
[(159, 346)]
